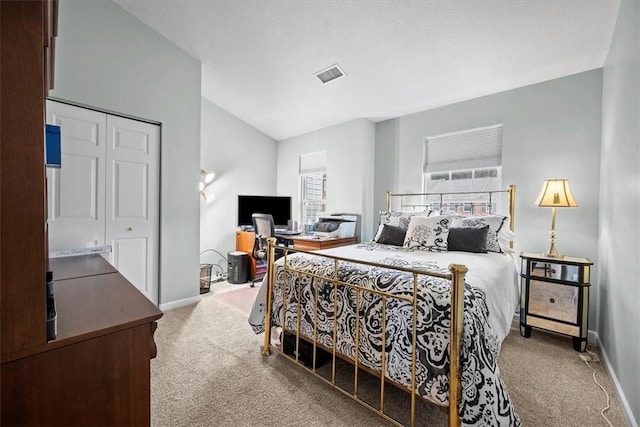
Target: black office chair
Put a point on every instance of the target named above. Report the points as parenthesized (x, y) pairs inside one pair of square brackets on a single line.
[(264, 228)]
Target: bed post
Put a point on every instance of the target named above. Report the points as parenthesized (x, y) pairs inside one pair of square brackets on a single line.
[(455, 347), (512, 207), (271, 248), (388, 200)]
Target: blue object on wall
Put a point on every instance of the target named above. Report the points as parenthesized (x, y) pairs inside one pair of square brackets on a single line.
[(53, 147)]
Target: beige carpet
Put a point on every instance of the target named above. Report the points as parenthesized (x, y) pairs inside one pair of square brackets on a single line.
[(210, 372)]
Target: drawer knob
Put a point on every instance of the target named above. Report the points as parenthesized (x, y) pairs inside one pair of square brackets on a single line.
[(552, 300)]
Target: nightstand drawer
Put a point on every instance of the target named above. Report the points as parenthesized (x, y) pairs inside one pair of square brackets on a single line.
[(551, 270), (554, 301)]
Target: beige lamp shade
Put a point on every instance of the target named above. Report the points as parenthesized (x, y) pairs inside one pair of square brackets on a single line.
[(555, 193)]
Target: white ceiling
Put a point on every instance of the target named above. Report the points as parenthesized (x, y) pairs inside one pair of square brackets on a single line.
[(259, 57)]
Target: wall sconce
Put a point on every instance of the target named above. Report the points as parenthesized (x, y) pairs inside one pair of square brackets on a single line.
[(555, 193), (206, 178)]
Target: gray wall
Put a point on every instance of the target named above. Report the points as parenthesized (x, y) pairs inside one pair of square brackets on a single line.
[(106, 58), (350, 161), (619, 310), (244, 160), (551, 130)]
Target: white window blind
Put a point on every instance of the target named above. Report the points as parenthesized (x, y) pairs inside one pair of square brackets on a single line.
[(313, 162), (470, 149)]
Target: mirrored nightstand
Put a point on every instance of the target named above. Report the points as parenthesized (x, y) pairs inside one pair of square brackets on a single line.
[(555, 296)]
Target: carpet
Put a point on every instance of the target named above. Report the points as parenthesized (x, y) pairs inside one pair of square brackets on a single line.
[(240, 299), (209, 371)]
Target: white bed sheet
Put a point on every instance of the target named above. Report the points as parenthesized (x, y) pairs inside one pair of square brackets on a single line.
[(496, 274)]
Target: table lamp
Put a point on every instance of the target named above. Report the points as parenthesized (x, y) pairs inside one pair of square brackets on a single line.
[(555, 193)]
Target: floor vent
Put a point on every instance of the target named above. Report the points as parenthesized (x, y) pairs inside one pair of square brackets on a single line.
[(331, 73)]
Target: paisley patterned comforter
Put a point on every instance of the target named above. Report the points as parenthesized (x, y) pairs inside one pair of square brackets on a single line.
[(485, 399)]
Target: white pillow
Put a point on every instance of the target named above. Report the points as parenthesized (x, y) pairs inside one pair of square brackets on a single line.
[(428, 233), (397, 219), (495, 223)]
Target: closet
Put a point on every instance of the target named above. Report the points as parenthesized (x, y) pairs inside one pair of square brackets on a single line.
[(107, 191)]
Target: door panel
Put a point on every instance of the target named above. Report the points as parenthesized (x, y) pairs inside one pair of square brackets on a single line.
[(131, 255), (130, 190), (75, 192), (77, 188), (132, 223)]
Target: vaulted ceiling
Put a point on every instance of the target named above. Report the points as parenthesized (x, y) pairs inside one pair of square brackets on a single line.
[(259, 57)]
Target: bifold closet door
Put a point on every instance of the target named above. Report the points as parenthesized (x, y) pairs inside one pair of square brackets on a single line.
[(132, 220), (76, 192), (107, 190)]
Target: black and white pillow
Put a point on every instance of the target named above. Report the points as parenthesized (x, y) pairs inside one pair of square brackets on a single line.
[(399, 219), (495, 223), (428, 233), (468, 239)]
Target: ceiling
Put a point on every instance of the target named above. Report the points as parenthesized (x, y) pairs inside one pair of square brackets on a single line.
[(259, 57)]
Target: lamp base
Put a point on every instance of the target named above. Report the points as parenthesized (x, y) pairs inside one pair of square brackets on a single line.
[(549, 255), (553, 252)]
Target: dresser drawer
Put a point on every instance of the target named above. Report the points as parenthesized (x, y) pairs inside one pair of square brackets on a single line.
[(554, 301)]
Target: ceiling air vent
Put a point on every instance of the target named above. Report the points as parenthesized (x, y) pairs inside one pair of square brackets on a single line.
[(331, 73)]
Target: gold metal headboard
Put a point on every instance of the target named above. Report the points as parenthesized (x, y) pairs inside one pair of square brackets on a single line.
[(511, 191)]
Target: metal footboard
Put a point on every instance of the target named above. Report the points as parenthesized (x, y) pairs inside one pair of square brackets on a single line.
[(455, 276)]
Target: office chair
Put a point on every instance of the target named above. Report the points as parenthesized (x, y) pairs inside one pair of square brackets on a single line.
[(264, 228)]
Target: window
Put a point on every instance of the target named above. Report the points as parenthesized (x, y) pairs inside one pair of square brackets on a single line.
[(313, 186), (314, 196), (467, 161)]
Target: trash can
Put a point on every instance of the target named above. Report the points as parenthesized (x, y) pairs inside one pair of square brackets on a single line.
[(205, 278), (238, 268)]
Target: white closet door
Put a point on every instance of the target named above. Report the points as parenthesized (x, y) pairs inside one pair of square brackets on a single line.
[(132, 201), (76, 192)]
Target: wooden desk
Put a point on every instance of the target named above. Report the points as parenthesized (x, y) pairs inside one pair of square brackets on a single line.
[(97, 370), (308, 243)]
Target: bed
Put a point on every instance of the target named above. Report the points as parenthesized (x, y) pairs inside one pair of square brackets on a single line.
[(440, 315)]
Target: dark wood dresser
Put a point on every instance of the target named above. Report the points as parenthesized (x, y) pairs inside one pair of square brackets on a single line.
[(96, 372)]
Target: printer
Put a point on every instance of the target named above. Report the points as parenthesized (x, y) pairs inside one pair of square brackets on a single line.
[(335, 225)]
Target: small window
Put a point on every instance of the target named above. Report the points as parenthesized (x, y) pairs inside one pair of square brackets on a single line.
[(313, 197), (465, 161)]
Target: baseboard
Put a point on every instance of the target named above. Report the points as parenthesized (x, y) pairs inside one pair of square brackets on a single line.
[(626, 409), (180, 303)]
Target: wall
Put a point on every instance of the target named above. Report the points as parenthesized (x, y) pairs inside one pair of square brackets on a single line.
[(106, 58), (350, 162), (619, 251), (551, 130), (244, 160)]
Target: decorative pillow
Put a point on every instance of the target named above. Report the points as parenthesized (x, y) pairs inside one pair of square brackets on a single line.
[(392, 235), (495, 223), (397, 219), (428, 233), (468, 239)]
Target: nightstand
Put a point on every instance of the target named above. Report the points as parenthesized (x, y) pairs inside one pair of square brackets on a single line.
[(555, 296)]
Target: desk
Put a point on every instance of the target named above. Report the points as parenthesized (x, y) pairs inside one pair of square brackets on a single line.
[(312, 243)]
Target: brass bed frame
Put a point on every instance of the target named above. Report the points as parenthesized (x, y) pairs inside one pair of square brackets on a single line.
[(456, 276)]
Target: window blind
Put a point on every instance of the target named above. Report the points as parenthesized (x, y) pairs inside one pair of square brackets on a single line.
[(469, 149), (313, 162)]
